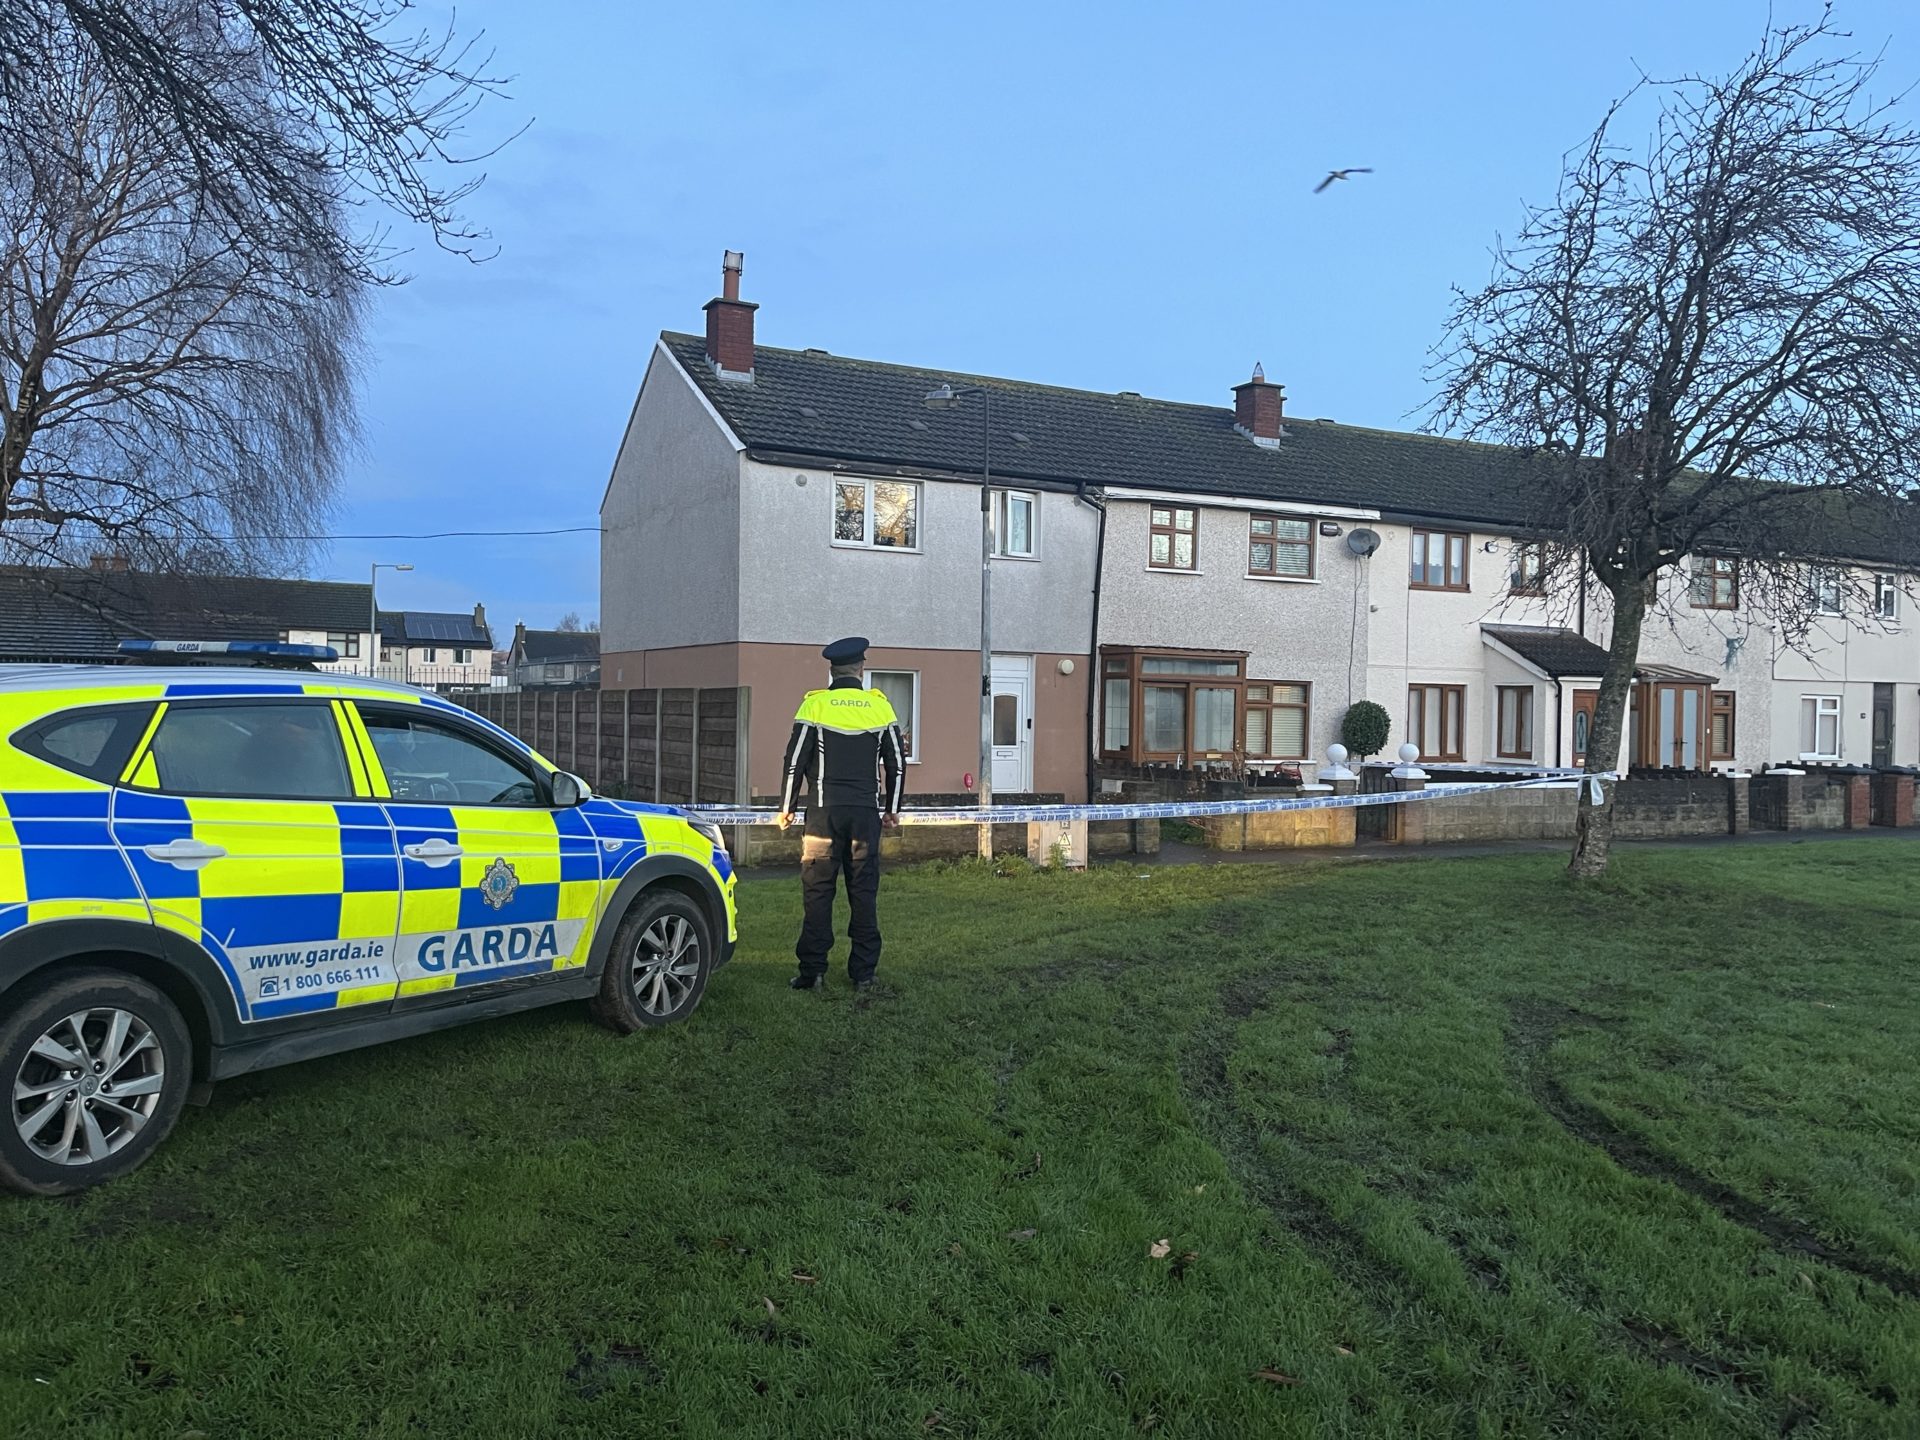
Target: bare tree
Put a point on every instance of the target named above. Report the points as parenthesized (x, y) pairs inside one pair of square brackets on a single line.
[(167, 381), (1710, 346), (350, 100)]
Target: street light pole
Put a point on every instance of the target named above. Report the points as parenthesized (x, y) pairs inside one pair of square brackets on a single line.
[(373, 618), (945, 398)]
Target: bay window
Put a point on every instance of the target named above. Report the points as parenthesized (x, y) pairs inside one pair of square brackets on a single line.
[(1170, 707)]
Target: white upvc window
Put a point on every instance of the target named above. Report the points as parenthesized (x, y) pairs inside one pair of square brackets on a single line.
[(1886, 597), (1826, 588), (463, 657), (902, 689), (1016, 524), (1819, 727), (430, 655), (876, 514)]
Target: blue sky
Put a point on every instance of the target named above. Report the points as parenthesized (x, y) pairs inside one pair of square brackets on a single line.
[(1117, 197)]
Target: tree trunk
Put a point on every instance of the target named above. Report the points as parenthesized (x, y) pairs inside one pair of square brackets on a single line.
[(1593, 826)]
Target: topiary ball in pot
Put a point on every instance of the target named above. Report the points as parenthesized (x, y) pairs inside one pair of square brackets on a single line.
[(1364, 729)]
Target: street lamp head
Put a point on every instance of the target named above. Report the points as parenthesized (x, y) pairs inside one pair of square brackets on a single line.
[(403, 567), (942, 398)]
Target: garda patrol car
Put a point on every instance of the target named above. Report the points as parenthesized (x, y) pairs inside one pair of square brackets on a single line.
[(205, 872)]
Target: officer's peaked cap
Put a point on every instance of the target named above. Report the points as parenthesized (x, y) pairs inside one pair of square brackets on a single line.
[(847, 651)]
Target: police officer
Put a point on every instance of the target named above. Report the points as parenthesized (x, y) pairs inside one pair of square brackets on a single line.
[(846, 743)]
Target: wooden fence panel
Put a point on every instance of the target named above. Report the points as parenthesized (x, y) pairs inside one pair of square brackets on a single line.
[(670, 746)]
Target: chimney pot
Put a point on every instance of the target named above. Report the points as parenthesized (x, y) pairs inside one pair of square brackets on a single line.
[(1258, 407), (730, 324)]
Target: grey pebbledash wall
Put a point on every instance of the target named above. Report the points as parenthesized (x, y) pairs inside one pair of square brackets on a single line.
[(1313, 631)]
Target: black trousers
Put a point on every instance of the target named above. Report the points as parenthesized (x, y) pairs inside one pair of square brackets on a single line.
[(840, 839)]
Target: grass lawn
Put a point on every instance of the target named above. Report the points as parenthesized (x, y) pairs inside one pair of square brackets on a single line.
[(1436, 1148)]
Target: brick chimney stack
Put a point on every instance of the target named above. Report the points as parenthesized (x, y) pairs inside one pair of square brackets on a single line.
[(730, 324), (1257, 407)]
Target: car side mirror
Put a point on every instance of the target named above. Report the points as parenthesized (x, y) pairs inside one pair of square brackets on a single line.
[(569, 790)]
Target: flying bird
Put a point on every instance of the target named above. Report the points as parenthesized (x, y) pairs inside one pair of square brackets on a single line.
[(1333, 175)]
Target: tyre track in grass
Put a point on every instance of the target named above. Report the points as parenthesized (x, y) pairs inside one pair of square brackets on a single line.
[(1533, 1029), (1376, 1282)]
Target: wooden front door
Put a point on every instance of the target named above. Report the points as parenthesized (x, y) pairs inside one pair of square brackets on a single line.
[(1584, 702), (1882, 724)]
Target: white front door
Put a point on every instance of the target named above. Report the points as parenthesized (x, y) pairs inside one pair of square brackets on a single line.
[(1012, 724)]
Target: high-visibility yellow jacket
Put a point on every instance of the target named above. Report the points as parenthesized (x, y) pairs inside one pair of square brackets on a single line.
[(846, 743)]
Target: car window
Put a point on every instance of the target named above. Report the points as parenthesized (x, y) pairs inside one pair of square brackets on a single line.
[(95, 742), (282, 752), (426, 760)]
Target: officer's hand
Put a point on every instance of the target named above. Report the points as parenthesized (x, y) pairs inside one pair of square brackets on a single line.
[(889, 822), (784, 820)]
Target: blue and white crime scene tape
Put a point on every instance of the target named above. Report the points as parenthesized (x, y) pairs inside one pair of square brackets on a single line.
[(1182, 809)]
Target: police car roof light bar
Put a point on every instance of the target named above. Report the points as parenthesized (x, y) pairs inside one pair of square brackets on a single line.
[(280, 653)]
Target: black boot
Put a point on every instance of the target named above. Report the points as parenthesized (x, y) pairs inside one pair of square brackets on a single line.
[(807, 982)]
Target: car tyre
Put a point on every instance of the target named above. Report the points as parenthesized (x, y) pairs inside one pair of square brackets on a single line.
[(658, 964), (96, 1065)]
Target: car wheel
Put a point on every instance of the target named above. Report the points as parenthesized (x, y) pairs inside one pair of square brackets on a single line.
[(97, 1065), (658, 964)]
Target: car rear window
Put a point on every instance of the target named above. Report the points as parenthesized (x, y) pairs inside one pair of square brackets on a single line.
[(290, 752), (95, 742)]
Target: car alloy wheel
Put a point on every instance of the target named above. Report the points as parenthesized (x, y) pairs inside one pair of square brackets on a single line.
[(88, 1086), (666, 964)]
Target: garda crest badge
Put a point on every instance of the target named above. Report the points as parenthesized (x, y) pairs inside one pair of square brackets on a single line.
[(499, 883)]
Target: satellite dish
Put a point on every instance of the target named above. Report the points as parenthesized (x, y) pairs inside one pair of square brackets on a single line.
[(1363, 542)]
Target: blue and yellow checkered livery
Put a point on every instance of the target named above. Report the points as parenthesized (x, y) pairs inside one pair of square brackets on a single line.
[(366, 899)]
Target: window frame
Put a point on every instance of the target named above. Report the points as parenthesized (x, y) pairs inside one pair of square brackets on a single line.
[(1819, 581), (1173, 531), (1719, 703), (1416, 733), (1886, 597), (1270, 705), (319, 703), (1426, 537), (1524, 696), (868, 485), (484, 739), (132, 721), (1002, 514), (349, 646), (1273, 543), (1705, 577), (1518, 582), (1128, 663), (1819, 702), (912, 727)]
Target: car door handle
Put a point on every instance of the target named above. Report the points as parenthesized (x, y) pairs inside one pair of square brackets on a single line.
[(184, 854), (435, 852)]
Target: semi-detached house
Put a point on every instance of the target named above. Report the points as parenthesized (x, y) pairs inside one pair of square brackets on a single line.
[(1171, 583)]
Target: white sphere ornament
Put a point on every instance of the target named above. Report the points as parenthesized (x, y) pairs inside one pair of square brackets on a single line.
[(1337, 753), (1409, 753)]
